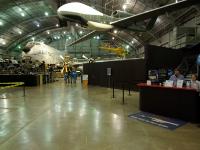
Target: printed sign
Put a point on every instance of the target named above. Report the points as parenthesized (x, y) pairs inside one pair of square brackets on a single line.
[(85, 77), (109, 71), (168, 83), (179, 84)]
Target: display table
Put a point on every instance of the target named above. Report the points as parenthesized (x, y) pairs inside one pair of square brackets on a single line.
[(180, 103)]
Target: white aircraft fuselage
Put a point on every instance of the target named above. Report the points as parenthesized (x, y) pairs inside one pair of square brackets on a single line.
[(86, 16)]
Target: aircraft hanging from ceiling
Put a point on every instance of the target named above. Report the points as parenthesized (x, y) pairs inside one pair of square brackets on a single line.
[(92, 19)]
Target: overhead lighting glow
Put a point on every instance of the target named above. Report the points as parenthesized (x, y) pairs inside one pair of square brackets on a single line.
[(124, 7), (20, 9), (19, 47), (70, 38), (20, 32), (3, 42), (98, 37), (132, 42), (38, 25), (22, 14), (115, 31), (94, 37), (76, 24), (81, 32), (33, 38), (58, 37), (1, 23), (127, 46), (113, 38), (57, 25), (64, 32), (48, 32), (46, 13)]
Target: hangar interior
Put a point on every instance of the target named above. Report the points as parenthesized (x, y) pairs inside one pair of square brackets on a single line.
[(23, 21), (55, 114)]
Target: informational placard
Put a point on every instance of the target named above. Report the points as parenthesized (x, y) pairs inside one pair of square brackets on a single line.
[(168, 83), (85, 77), (109, 71), (148, 82), (179, 83)]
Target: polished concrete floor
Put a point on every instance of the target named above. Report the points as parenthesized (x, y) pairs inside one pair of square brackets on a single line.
[(57, 116)]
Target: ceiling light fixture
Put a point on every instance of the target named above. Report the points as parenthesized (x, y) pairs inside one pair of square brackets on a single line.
[(46, 13), (20, 32), (20, 9), (48, 32), (38, 25), (115, 31), (81, 32), (4, 43), (22, 14), (113, 38), (1, 23), (57, 25), (124, 7)]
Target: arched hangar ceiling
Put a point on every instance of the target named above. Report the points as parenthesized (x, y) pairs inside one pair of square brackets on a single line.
[(22, 19)]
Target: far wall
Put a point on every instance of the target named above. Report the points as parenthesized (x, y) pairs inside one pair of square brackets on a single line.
[(169, 39)]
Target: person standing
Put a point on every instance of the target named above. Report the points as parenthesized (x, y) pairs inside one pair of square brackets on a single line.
[(74, 75)]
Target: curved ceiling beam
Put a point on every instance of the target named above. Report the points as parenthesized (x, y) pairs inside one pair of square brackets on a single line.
[(17, 3), (27, 21), (27, 36), (54, 16)]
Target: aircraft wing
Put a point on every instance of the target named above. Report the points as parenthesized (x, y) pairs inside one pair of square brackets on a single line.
[(128, 21), (85, 37)]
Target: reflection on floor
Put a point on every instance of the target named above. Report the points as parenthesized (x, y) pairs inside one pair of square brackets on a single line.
[(58, 116)]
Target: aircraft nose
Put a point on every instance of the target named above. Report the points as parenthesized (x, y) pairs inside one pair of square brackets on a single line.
[(61, 9)]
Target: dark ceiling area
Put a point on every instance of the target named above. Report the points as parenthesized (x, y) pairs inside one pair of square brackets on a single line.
[(21, 20)]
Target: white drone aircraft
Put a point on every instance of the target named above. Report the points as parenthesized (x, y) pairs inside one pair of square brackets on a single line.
[(92, 19)]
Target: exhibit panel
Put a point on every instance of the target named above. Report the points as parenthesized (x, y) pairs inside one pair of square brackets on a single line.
[(123, 73)]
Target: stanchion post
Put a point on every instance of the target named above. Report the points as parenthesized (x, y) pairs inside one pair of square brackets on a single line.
[(129, 90), (123, 94), (24, 89), (113, 90)]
